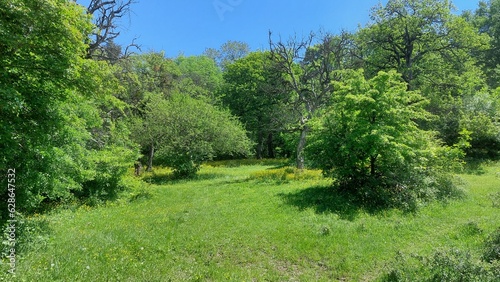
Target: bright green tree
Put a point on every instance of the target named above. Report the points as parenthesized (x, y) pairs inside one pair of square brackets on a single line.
[(433, 50), (184, 131), (370, 143), (404, 33), (487, 20), (40, 53), (57, 125)]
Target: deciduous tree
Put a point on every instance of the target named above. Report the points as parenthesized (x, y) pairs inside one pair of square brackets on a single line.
[(308, 70), (369, 142), (184, 131), (252, 92)]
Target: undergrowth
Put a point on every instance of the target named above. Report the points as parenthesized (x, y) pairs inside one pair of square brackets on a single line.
[(285, 174)]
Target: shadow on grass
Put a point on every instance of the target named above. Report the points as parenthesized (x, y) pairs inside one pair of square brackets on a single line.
[(170, 178), (475, 167), (324, 200), (249, 162)]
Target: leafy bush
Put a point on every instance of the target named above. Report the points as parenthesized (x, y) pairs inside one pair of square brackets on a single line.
[(451, 265), (185, 132), (108, 168), (480, 118), (370, 144), (443, 266), (492, 247)]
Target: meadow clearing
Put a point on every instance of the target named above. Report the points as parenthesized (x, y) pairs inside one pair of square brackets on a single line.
[(249, 222)]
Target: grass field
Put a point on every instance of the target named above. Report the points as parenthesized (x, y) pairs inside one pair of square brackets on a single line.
[(247, 223)]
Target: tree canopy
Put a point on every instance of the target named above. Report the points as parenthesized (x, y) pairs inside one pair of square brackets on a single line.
[(389, 106), (184, 131), (370, 143)]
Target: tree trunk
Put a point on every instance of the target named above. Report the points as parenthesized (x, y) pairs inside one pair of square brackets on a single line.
[(301, 146), (260, 140), (373, 168), (270, 147), (150, 160)]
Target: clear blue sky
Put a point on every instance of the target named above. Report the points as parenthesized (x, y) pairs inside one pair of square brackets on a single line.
[(188, 27)]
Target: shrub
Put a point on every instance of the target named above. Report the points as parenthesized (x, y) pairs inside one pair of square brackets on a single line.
[(370, 144), (479, 118), (451, 265), (492, 247), (109, 167), (444, 266), (184, 132)]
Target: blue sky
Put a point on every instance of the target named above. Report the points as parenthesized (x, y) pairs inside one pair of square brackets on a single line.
[(190, 26)]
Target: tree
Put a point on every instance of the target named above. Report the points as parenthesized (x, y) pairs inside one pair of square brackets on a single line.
[(432, 49), (200, 77), (308, 71), (370, 143), (252, 92), (479, 120), (487, 20), (404, 32), (184, 131), (227, 53), (106, 14), (36, 54), (52, 102)]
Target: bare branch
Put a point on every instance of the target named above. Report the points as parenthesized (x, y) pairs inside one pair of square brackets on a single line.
[(106, 14)]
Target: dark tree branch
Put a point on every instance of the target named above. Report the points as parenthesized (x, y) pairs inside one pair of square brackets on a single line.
[(106, 14)]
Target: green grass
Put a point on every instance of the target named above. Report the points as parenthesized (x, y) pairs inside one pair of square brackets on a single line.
[(243, 223)]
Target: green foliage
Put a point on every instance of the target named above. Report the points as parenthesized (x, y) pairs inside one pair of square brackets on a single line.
[(58, 109), (434, 51), (480, 118), (370, 144), (40, 54), (285, 174), (109, 165), (444, 265), (451, 265), (186, 131), (403, 34), (486, 20), (228, 52), (201, 77), (251, 90), (491, 251)]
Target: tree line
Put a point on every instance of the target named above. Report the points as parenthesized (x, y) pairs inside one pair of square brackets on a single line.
[(388, 110)]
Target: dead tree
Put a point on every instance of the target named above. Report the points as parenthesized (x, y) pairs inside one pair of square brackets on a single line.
[(317, 61), (106, 16)]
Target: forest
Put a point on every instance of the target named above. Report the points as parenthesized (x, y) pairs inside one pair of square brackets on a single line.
[(387, 115)]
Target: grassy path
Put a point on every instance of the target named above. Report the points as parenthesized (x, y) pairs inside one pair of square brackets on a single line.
[(227, 226)]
